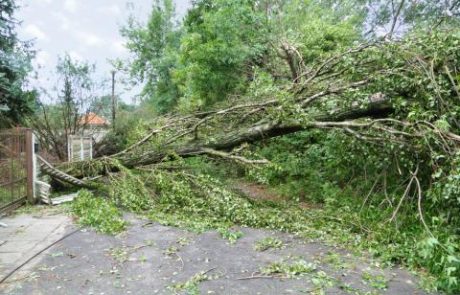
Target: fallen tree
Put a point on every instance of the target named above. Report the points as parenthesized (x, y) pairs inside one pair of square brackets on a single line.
[(395, 101), (367, 104)]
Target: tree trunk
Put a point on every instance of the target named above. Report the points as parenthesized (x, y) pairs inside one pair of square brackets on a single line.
[(258, 132)]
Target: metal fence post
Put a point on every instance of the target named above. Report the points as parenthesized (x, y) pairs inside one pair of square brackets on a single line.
[(30, 165)]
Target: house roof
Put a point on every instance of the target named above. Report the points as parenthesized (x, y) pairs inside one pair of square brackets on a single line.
[(93, 119)]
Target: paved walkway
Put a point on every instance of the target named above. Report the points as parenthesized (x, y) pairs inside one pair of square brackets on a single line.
[(24, 236)]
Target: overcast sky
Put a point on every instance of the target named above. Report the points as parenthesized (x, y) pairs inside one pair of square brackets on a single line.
[(86, 29)]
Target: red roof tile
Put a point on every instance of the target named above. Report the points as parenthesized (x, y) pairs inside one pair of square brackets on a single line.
[(92, 119)]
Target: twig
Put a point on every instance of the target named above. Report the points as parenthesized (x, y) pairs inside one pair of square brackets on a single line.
[(209, 270), (181, 260), (147, 224), (134, 249), (233, 157), (256, 277), (336, 90), (370, 192), (395, 20), (139, 143), (328, 62), (452, 80), (406, 192), (385, 191), (422, 219)]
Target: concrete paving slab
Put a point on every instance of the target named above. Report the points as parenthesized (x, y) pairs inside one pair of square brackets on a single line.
[(25, 236), (16, 246)]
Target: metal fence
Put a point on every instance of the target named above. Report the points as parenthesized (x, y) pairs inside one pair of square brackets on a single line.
[(16, 168)]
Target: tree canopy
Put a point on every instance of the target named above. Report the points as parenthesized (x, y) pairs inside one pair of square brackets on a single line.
[(222, 45), (15, 57)]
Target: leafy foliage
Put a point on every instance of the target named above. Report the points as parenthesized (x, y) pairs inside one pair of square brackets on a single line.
[(128, 192), (231, 236), (219, 50), (15, 57), (317, 169), (191, 285), (222, 44), (376, 281), (154, 48), (99, 213), (289, 270), (374, 91), (268, 243)]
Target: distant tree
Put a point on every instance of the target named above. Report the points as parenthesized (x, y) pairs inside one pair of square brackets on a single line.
[(15, 57), (103, 106), (60, 116), (385, 18), (154, 47), (222, 44)]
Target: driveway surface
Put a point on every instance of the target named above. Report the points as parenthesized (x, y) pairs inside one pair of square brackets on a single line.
[(153, 259)]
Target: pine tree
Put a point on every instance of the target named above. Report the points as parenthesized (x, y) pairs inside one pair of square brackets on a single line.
[(15, 57)]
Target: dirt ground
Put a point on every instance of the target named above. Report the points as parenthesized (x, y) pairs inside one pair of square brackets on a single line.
[(153, 259)]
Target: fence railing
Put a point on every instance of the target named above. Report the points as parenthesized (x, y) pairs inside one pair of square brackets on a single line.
[(16, 168)]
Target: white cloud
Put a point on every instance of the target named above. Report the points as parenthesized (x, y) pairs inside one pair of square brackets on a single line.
[(90, 39), (112, 9), (119, 47), (42, 58), (35, 32), (75, 55), (87, 30), (44, 1), (64, 22), (71, 5)]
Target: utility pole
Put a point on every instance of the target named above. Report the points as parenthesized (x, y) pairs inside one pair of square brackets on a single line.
[(114, 101)]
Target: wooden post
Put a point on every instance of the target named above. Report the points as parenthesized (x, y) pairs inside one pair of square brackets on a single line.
[(30, 165)]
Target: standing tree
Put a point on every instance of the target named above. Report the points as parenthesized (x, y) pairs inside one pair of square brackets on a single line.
[(61, 116), (154, 50), (15, 57)]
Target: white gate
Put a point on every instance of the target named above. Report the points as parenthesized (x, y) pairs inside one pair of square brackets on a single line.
[(80, 148)]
